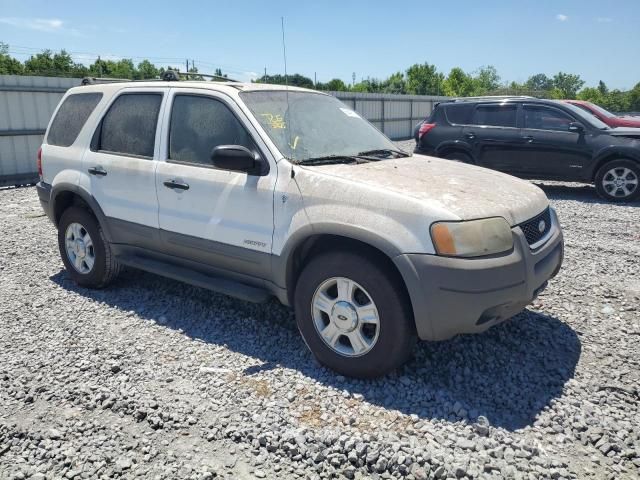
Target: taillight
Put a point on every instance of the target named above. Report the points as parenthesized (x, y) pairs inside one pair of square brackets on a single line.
[(425, 128), (40, 163)]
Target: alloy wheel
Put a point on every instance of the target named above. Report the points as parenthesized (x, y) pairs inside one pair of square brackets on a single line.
[(345, 316)]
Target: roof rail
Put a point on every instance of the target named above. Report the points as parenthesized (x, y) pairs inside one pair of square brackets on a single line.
[(167, 76), (95, 80), (489, 97)]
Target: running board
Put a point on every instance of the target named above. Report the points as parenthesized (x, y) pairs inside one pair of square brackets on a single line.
[(217, 284)]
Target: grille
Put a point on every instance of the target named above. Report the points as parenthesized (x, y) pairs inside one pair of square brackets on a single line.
[(531, 228)]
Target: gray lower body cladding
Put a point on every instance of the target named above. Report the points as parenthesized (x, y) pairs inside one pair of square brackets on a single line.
[(455, 295)]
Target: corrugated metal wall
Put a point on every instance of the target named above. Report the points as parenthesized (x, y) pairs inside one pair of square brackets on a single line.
[(395, 115), (26, 104)]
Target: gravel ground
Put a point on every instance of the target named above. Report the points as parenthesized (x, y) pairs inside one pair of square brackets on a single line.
[(151, 378)]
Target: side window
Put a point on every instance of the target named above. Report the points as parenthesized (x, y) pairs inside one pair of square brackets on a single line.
[(496, 115), (459, 113), (543, 118), (198, 125), (129, 127), (71, 117)]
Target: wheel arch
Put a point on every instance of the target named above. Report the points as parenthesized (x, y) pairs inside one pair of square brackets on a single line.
[(446, 148), (610, 155), (309, 242), (64, 195)]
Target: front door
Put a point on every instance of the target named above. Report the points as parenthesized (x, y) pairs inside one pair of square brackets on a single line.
[(121, 164), (551, 150), (219, 218)]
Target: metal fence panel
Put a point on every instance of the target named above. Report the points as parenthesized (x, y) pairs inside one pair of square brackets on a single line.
[(394, 115), (26, 105)]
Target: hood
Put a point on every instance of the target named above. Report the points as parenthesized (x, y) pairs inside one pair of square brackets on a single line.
[(628, 122), (624, 132), (466, 191)]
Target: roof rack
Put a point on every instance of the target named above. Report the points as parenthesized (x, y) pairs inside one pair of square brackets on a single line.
[(489, 97), (168, 76)]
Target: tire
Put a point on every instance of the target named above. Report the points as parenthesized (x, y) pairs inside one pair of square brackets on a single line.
[(389, 343), (622, 170), (95, 265), (459, 157)]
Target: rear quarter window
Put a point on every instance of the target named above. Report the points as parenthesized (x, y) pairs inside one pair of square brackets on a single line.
[(71, 117), (459, 113)]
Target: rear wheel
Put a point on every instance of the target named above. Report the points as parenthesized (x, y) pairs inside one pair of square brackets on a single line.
[(85, 252), (619, 180), (354, 315), (458, 157)]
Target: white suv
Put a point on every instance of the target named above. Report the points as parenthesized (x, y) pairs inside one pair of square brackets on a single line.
[(259, 190)]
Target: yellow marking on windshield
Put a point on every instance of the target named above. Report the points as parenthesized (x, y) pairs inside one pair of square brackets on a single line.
[(295, 143), (274, 121)]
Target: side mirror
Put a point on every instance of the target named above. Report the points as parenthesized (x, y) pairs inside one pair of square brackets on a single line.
[(235, 158), (576, 127)]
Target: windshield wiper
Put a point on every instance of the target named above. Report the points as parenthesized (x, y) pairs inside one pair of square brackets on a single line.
[(328, 159), (387, 152)]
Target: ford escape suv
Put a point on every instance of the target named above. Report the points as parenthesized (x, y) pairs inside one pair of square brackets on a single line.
[(534, 138), (257, 190)]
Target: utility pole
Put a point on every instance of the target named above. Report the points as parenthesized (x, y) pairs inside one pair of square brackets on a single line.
[(353, 77), (187, 70), (265, 74), (315, 80)]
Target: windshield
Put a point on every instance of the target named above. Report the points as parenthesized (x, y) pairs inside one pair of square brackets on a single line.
[(602, 111), (586, 117), (309, 125)]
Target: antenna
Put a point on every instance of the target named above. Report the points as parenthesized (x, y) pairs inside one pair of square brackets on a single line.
[(286, 83)]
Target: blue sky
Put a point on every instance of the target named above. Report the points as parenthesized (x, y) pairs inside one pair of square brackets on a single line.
[(594, 38)]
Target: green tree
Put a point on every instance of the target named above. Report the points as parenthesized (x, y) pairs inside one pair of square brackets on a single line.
[(8, 64), (567, 83), (335, 85), (396, 83), (602, 88), (458, 84), (634, 98), (424, 79), (146, 70), (295, 80), (593, 95), (486, 80), (539, 82)]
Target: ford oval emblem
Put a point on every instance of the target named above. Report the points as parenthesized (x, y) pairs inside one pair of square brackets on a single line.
[(541, 226)]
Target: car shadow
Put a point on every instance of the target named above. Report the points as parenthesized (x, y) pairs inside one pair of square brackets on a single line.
[(508, 374), (581, 193)]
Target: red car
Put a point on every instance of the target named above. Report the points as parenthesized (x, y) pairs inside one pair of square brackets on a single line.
[(605, 115)]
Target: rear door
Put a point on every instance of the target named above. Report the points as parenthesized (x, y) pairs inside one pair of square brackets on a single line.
[(551, 150), (495, 137), (121, 163), (215, 217)]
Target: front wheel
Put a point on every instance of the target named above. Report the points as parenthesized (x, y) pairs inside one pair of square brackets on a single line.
[(618, 180), (354, 314)]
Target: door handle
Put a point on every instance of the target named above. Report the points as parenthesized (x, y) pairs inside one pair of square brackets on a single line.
[(173, 184), (470, 135), (101, 172), (528, 139)]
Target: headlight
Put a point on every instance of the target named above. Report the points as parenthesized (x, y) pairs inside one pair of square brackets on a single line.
[(472, 238)]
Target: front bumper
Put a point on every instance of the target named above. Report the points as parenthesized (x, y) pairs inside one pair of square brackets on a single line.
[(468, 295)]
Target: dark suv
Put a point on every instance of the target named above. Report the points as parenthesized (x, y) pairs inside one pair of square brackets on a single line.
[(534, 138)]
